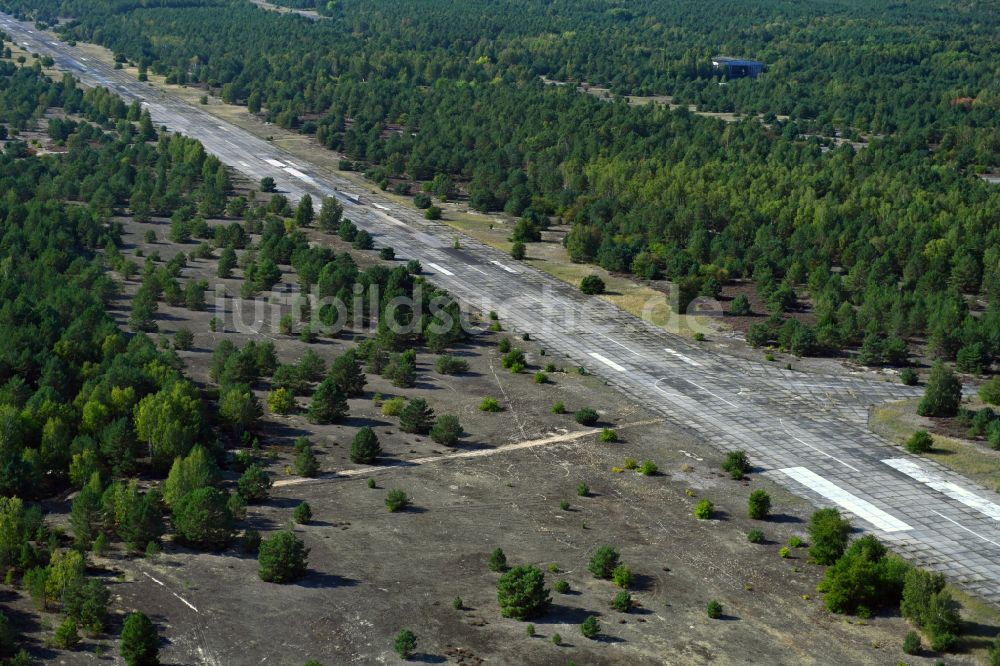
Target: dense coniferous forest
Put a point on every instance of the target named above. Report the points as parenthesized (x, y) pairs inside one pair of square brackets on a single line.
[(889, 241)]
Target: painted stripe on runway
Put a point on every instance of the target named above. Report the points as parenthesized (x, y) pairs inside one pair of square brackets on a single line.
[(608, 362), (714, 395), (274, 163), (380, 206), (817, 450), (684, 358), (478, 270), (439, 269), (301, 176), (849, 502), (970, 499), (504, 266)]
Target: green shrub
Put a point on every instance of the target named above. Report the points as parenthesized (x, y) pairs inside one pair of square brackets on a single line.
[(755, 536), (561, 586), (586, 416), (303, 513), (393, 406), (541, 378), (530, 630), (396, 500), (608, 435), (564, 505), (648, 468), (703, 509), (714, 609), (556, 639), (911, 643), (784, 552), (990, 391), (864, 578), (622, 576), (942, 394), (622, 602), (405, 643), (603, 562), (450, 365), (498, 561), (457, 603), (909, 377), (582, 489), (282, 558), (737, 464), (920, 442), (759, 505), (504, 346), (521, 593), (794, 542), (558, 408), (592, 285), (590, 627), (67, 635), (828, 532), (490, 405)]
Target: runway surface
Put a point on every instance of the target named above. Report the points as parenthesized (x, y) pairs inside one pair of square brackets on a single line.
[(805, 431)]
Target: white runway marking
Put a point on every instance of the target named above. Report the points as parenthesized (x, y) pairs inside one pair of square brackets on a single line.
[(380, 206), (439, 269), (301, 176), (817, 450), (859, 507), (274, 163), (684, 358), (478, 270), (607, 361), (613, 341), (391, 219), (718, 397), (957, 524), (504, 266), (952, 490)]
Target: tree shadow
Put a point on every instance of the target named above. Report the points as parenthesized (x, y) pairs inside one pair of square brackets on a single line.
[(280, 502), (558, 614), (783, 518), (610, 640), (317, 580), (363, 421), (427, 658), (641, 582)]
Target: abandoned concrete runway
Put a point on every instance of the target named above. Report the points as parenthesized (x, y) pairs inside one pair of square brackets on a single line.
[(805, 431)]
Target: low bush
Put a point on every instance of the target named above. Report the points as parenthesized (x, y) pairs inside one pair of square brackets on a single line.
[(703, 509), (737, 464), (396, 500), (586, 416), (759, 505), (490, 405), (920, 442), (622, 602)]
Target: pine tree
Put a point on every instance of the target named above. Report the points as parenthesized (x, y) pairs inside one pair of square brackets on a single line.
[(416, 417), (140, 643), (365, 447), (329, 404), (943, 393)]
